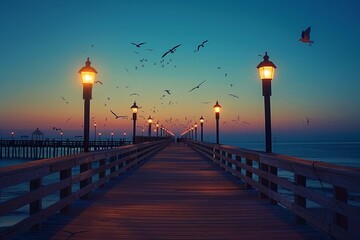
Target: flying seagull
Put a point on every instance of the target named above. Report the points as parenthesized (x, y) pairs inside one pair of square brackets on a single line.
[(57, 129), (172, 50), (201, 45), (134, 94), (198, 86), (138, 45), (233, 95), (307, 120), (117, 116), (168, 91), (305, 36), (99, 82)]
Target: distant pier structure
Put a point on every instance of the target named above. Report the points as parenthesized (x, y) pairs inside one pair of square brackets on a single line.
[(37, 149)]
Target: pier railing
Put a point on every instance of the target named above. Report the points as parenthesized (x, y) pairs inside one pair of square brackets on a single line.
[(324, 195), (62, 180)]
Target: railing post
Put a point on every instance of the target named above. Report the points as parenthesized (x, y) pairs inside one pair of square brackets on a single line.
[(113, 169), (102, 173), (265, 168), (65, 192), (83, 168), (237, 168), (249, 163), (229, 163), (273, 186), (340, 194), (300, 200), (36, 205)]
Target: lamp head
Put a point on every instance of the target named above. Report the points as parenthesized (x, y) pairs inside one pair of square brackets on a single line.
[(266, 68), (217, 107), (134, 108), (88, 73), (201, 119)]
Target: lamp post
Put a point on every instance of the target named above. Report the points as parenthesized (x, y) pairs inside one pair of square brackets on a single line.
[(61, 136), (217, 108), (88, 77), (157, 129), (12, 135), (201, 128), (134, 109), (195, 127), (150, 122), (266, 72), (112, 136), (99, 136), (94, 131), (124, 136)]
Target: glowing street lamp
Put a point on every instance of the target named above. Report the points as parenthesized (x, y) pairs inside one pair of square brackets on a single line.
[(134, 109), (150, 120), (99, 136), (195, 127), (12, 135), (88, 77), (112, 136), (157, 129), (124, 136), (94, 131), (61, 136), (201, 128), (217, 109), (266, 71)]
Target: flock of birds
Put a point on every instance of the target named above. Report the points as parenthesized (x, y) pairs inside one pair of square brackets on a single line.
[(305, 38)]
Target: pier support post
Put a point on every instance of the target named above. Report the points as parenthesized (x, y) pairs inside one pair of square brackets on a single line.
[(340, 194), (36, 205), (300, 200), (65, 192)]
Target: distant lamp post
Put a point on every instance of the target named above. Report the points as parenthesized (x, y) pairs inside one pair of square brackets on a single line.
[(95, 132), (134, 109), (192, 133), (12, 135), (195, 127), (266, 71), (61, 136), (88, 77), (201, 128), (157, 129), (112, 136), (99, 136), (217, 109), (124, 136), (150, 120)]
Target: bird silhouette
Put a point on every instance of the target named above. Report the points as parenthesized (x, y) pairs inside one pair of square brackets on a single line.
[(134, 94), (168, 91), (138, 45), (198, 86), (233, 95), (305, 36), (307, 120), (99, 82), (201, 45), (172, 50), (117, 116), (57, 129)]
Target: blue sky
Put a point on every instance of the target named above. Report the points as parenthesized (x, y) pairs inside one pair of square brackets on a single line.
[(43, 44)]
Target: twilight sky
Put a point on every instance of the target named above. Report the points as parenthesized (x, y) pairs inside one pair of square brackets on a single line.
[(43, 44)]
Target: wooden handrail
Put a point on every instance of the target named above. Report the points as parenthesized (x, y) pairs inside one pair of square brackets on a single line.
[(106, 165), (330, 209)]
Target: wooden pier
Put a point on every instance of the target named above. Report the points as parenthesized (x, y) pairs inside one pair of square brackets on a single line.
[(181, 193), (39, 149)]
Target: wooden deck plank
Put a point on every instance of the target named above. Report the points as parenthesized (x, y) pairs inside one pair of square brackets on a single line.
[(174, 195)]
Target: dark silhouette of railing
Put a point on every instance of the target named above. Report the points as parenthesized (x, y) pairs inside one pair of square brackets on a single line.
[(40, 149), (333, 207)]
